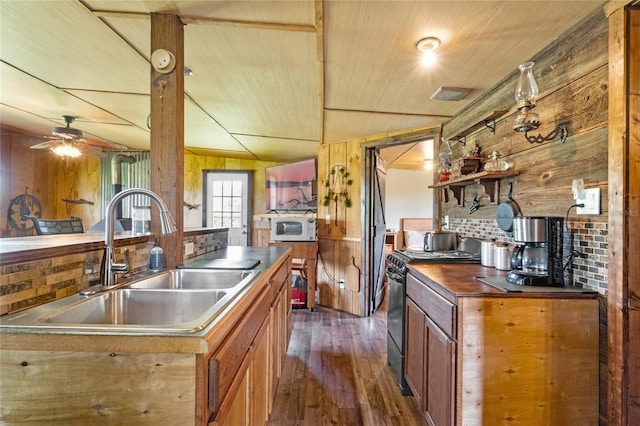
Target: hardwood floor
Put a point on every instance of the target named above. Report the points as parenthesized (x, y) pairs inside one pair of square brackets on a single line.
[(336, 373)]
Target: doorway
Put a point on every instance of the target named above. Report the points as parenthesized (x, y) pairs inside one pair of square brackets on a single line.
[(227, 203), (373, 289)]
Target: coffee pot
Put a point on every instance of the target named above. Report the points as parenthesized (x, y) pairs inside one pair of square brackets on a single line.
[(537, 258), (531, 258)]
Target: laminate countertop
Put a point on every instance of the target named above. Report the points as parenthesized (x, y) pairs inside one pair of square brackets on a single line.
[(462, 280)]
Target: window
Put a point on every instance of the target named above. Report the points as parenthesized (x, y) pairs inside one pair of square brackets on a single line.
[(226, 204)]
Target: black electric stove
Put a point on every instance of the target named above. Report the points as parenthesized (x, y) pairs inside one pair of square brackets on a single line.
[(397, 267)]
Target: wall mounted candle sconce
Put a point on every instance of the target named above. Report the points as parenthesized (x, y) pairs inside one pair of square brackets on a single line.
[(526, 95)]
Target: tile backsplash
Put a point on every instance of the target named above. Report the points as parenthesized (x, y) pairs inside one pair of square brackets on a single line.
[(585, 248)]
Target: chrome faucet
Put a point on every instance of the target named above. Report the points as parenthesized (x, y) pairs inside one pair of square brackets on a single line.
[(110, 266)]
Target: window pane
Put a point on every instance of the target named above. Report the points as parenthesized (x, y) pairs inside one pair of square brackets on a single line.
[(237, 188)]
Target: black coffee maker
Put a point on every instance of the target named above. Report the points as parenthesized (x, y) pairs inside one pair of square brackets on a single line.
[(537, 258)]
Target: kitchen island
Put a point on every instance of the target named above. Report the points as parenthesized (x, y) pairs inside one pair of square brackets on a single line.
[(93, 377), (480, 355)]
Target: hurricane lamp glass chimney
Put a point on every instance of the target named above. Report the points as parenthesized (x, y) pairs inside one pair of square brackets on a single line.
[(527, 88), (526, 95)]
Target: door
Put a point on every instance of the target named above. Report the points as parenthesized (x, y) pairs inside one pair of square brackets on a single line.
[(378, 231), (228, 203)]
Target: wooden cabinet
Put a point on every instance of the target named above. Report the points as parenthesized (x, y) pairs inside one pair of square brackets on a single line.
[(429, 358), (249, 403), (390, 242), (279, 316), (260, 376), (531, 358), (244, 371), (221, 374)]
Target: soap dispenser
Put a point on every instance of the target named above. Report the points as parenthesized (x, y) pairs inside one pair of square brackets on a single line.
[(156, 257)]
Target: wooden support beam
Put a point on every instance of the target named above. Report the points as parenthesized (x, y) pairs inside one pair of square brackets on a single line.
[(167, 131), (623, 298)]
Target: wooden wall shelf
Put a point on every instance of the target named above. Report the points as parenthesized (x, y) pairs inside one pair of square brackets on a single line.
[(490, 181)]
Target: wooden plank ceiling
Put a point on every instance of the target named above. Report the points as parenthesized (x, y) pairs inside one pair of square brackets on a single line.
[(271, 79)]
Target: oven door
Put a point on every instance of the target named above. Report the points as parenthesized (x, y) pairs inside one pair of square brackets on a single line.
[(395, 326), (395, 308)]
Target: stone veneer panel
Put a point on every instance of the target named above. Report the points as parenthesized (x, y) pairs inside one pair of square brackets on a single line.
[(28, 284), (589, 239)]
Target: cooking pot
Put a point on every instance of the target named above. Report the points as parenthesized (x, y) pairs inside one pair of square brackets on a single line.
[(439, 241)]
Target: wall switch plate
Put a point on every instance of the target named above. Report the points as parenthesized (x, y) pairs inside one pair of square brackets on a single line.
[(591, 202)]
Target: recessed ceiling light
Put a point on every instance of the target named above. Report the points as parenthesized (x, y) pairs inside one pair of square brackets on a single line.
[(451, 93), (428, 46)]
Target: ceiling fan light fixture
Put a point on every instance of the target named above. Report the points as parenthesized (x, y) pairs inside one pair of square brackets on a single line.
[(451, 93), (67, 132), (66, 150)]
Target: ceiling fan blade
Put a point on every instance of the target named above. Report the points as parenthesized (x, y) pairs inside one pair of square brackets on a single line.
[(47, 144), (104, 144), (84, 147)]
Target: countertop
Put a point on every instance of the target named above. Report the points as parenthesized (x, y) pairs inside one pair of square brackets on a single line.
[(461, 280), (56, 339)]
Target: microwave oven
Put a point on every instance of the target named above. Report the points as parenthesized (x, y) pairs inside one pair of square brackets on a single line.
[(293, 228)]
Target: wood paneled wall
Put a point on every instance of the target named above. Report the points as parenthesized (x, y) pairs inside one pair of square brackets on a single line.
[(573, 79), (49, 178), (52, 179), (339, 239)]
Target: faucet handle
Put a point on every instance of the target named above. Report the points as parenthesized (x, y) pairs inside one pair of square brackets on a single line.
[(122, 268)]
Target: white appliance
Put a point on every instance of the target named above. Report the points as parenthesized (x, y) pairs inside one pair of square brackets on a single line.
[(293, 228)]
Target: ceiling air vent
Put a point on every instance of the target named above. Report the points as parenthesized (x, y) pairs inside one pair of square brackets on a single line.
[(451, 93)]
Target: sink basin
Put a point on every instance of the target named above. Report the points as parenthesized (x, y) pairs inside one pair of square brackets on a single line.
[(140, 307), (170, 302), (195, 279)]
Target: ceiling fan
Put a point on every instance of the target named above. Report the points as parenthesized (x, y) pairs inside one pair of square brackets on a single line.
[(69, 142)]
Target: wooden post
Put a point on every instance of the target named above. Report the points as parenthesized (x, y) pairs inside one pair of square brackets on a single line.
[(167, 132), (623, 299)]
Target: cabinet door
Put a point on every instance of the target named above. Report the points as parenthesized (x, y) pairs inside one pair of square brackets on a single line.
[(415, 351), (278, 338), (439, 375), (235, 411), (259, 396)]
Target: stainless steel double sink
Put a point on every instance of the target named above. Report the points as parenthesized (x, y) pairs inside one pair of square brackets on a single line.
[(172, 301)]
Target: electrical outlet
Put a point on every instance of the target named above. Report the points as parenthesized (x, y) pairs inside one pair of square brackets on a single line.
[(188, 249), (341, 283), (591, 202)]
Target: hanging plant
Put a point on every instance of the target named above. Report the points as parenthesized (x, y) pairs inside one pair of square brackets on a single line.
[(338, 187)]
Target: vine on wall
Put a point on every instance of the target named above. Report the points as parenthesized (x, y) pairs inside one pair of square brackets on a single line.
[(338, 186)]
